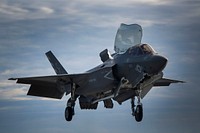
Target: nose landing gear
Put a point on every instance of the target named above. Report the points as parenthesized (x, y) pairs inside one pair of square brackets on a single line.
[(137, 111)]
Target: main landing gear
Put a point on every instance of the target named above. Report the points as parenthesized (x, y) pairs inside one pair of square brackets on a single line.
[(137, 111), (69, 110)]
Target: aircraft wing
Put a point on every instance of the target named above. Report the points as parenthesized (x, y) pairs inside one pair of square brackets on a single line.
[(166, 82), (159, 82), (52, 86)]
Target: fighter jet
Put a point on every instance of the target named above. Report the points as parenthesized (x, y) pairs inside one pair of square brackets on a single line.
[(129, 73)]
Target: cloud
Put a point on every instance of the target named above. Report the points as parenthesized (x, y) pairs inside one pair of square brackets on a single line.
[(8, 72), (94, 13), (8, 12), (18, 11), (46, 10), (14, 94), (6, 84), (9, 90), (12, 10), (124, 3), (5, 108)]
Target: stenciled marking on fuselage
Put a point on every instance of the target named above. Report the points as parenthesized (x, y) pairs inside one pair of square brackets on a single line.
[(108, 76), (138, 68), (92, 80)]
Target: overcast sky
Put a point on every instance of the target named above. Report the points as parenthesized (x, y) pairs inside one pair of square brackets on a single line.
[(77, 31)]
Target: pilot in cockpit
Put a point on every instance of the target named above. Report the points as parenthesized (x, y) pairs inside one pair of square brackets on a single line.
[(147, 49)]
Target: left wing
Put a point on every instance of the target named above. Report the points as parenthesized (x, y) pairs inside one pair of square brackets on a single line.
[(52, 86), (166, 82)]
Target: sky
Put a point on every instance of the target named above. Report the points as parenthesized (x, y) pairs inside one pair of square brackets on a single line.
[(76, 32)]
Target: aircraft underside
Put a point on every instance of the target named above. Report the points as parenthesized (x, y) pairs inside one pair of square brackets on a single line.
[(123, 92), (120, 93)]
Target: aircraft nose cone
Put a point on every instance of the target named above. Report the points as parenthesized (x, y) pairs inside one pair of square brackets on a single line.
[(161, 62), (157, 64)]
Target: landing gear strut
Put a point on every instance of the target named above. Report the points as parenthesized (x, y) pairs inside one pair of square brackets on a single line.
[(138, 111), (69, 110)]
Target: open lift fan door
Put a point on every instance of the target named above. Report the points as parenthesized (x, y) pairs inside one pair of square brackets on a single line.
[(127, 36)]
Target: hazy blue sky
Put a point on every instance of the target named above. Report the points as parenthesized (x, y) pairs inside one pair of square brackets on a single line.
[(76, 31)]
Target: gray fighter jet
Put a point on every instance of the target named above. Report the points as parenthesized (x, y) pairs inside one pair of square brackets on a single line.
[(129, 73)]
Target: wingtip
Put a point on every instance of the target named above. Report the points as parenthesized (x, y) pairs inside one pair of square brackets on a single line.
[(179, 81), (12, 79)]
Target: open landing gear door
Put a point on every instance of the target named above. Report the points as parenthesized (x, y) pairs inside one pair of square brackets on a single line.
[(127, 36)]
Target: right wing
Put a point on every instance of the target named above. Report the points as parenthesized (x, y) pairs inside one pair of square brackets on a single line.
[(52, 86), (159, 82), (166, 82)]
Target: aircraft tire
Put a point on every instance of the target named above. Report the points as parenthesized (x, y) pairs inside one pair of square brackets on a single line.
[(139, 113), (68, 113)]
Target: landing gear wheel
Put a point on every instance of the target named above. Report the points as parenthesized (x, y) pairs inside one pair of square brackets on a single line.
[(69, 110), (68, 113), (138, 113)]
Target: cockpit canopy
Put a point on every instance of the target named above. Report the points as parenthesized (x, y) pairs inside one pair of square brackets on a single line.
[(126, 37), (142, 49)]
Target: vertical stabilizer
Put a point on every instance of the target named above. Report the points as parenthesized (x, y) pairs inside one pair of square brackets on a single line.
[(59, 69)]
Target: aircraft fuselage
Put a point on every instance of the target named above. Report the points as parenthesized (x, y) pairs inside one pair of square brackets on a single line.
[(135, 67)]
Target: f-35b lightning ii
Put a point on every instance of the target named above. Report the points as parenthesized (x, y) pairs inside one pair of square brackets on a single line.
[(129, 73)]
